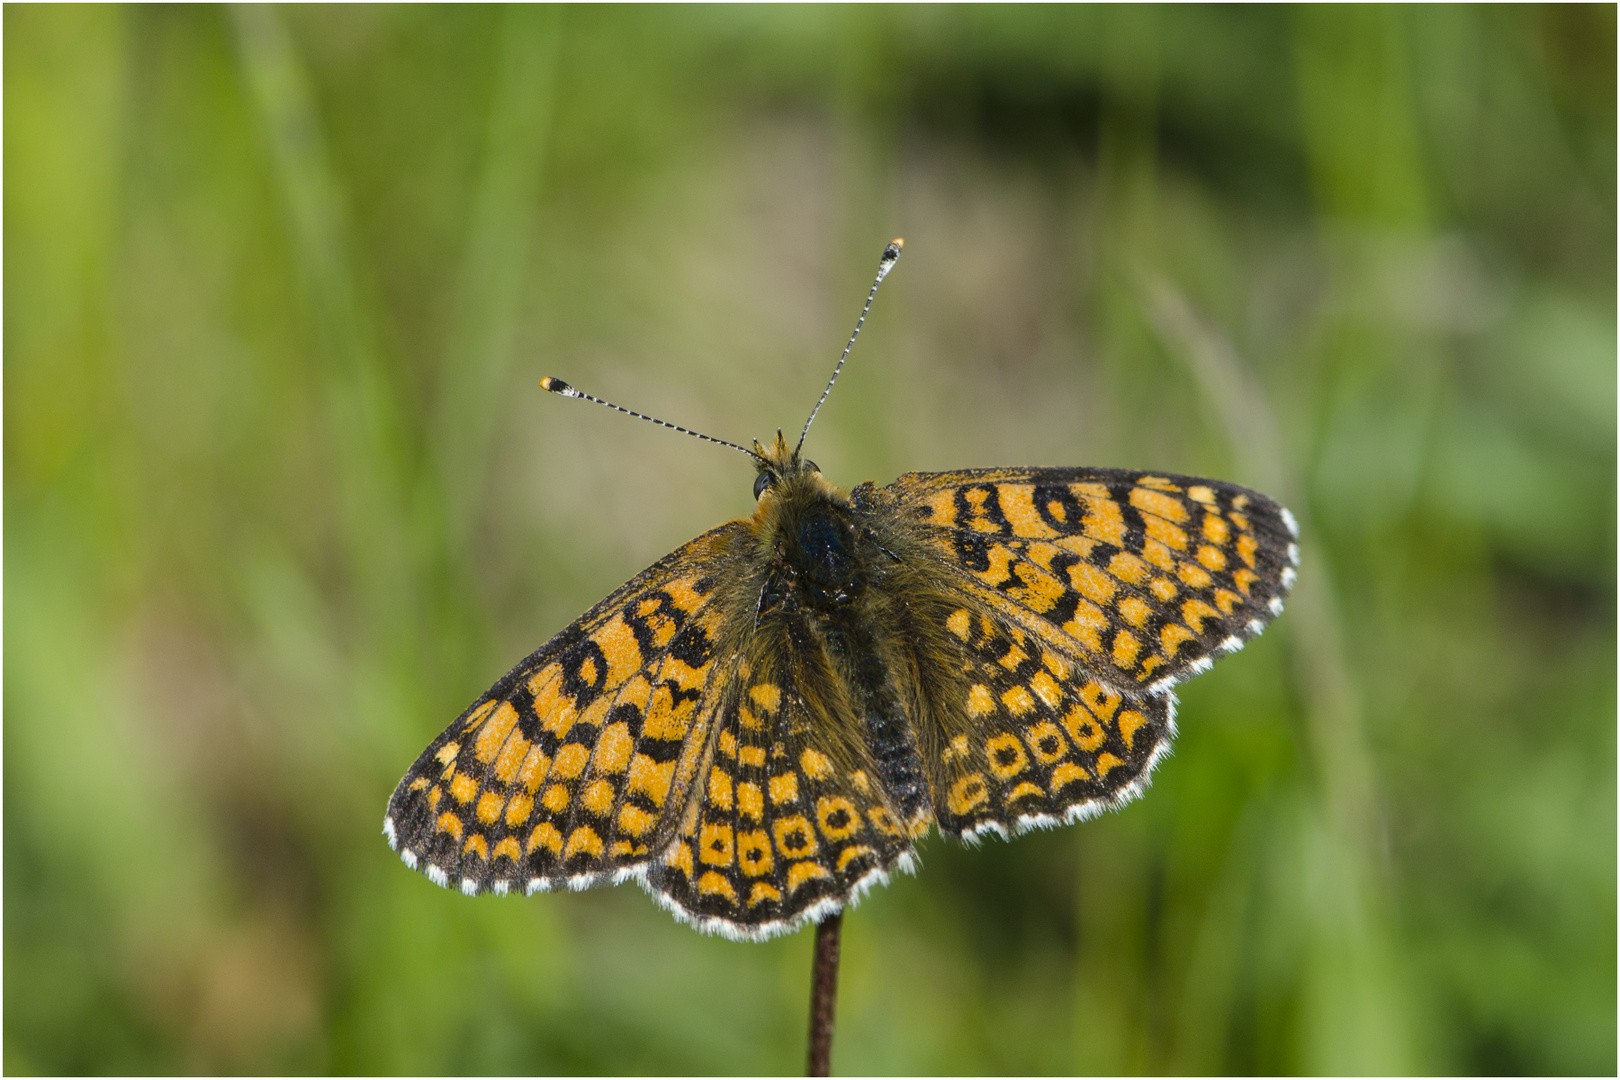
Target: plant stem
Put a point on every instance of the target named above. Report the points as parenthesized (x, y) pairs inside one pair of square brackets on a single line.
[(824, 994)]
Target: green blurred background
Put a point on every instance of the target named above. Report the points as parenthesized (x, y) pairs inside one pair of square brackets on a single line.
[(282, 497)]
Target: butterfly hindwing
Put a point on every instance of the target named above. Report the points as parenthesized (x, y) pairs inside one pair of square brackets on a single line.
[(789, 819), (577, 764), (1152, 575)]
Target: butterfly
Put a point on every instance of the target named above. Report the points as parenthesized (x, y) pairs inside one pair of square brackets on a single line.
[(763, 724)]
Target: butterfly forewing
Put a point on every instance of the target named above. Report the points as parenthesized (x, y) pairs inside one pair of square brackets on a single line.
[(1149, 574), (578, 763)]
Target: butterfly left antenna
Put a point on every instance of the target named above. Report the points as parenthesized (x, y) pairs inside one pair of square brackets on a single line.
[(891, 255), (557, 386)]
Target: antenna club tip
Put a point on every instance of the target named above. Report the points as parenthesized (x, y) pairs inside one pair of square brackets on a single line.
[(897, 243), (557, 386)]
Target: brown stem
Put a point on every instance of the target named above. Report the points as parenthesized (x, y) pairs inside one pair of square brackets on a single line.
[(824, 994)]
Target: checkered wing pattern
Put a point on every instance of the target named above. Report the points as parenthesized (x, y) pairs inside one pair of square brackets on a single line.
[(576, 767), (789, 822), (1083, 596)]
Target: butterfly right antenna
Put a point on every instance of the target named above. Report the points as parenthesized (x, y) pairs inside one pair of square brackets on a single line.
[(891, 255)]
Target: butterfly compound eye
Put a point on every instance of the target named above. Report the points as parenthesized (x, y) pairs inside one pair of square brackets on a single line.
[(761, 482)]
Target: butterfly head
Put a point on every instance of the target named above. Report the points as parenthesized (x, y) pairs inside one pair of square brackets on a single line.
[(783, 471)]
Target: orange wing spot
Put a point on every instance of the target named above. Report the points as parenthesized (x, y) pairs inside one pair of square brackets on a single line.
[(768, 696), (794, 837), (752, 756), (598, 798), (1106, 763), (1171, 536), (728, 744), (763, 891), (801, 872), (495, 731), (634, 820), (447, 753), (1246, 549), (489, 807), (1046, 688), (967, 794), (1024, 791), (858, 778), (747, 719), (719, 788), (884, 822), (508, 847), (1129, 721), (1084, 729), (815, 765), (511, 757), (571, 761), (1105, 522), (960, 623), (1162, 482), (958, 747), (476, 845), (518, 810), (1018, 700), (1158, 553), (651, 779), (1156, 502), (851, 853), (714, 883), (621, 848), (613, 749), (556, 798), (837, 817), (715, 844), (545, 835), (1194, 575), (1007, 757), (583, 840), (1041, 594), (1012, 658), (1087, 625), (1126, 649), (1202, 494), (620, 649), (1068, 773), (555, 709), (1243, 578), (1128, 568), (1211, 558), (1101, 702), (1149, 666), (1092, 583), (1163, 588), (979, 701), (1239, 502), (1046, 741), (754, 853), (679, 857), (663, 720), (463, 788), (1240, 520), (1215, 529), (1195, 611), (449, 823), (942, 509), (476, 717), (1227, 601), (533, 770), (784, 789), (1018, 507), (1134, 610), (750, 800), (999, 570), (419, 783), (434, 796), (1172, 636)]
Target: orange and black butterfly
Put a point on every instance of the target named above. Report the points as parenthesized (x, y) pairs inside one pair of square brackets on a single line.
[(761, 725)]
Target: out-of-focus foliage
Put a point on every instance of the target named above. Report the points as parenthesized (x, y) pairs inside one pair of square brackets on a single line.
[(282, 496)]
